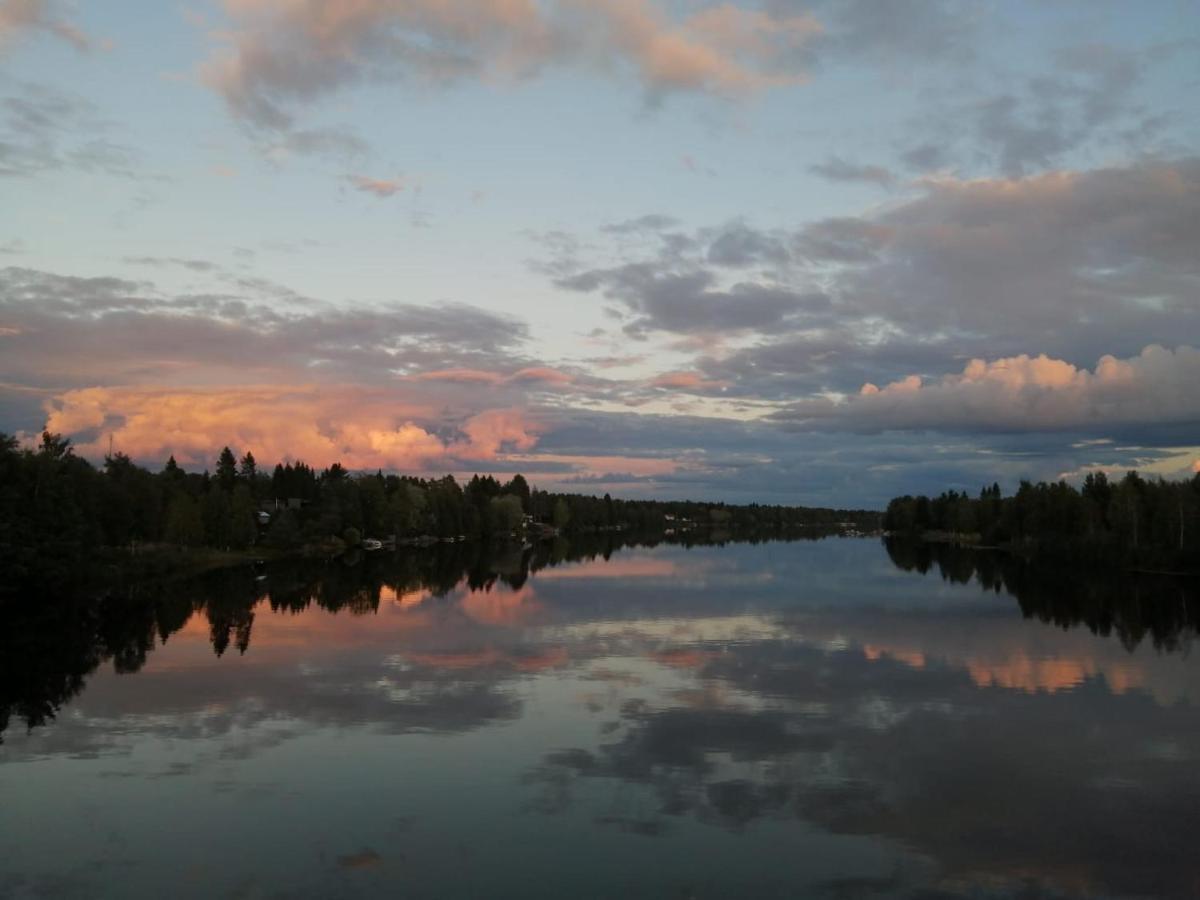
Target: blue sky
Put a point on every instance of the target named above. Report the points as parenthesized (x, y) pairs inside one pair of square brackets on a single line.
[(806, 252)]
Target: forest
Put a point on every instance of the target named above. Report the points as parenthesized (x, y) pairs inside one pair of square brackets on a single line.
[(57, 509), (1135, 522)]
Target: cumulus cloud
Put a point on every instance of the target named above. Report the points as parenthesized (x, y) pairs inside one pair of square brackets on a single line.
[(1024, 393), (282, 53), (40, 15), (1075, 263), (363, 428)]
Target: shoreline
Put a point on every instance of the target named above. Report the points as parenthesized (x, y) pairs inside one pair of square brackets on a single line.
[(973, 541)]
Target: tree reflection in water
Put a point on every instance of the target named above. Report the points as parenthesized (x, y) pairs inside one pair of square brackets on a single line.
[(727, 702)]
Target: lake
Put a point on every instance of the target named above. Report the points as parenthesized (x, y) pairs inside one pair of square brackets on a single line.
[(831, 718)]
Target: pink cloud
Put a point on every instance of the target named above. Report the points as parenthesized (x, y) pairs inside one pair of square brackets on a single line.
[(687, 381), (380, 187), (496, 430), (361, 428), (281, 52), (541, 374), (19, 15)]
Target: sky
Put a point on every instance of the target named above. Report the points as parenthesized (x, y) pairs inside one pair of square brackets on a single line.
[(815, 253)]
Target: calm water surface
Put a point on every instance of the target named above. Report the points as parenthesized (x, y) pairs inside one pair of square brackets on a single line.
[(810, 719)]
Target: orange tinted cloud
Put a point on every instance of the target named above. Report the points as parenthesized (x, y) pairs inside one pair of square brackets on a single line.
[(687, 381), (282, 53), (490, 431), (360, 427), (380, 187)]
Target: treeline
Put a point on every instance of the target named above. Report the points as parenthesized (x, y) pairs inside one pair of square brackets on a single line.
[(1135, 522), (57, 508)]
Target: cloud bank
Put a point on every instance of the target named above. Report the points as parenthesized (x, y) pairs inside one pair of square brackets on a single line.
[(360, 427), (1024, 393)]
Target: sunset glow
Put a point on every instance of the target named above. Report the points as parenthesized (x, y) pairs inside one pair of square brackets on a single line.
[(715, 251)]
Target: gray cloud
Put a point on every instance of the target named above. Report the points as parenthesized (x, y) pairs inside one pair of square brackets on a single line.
[(45, 129), (737, 245), (837, 169), (64, 330), (1074, 264), (1087, 101), (691, 302), (896, 33)]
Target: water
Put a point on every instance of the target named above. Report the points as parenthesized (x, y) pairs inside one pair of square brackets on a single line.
[(809, 719)]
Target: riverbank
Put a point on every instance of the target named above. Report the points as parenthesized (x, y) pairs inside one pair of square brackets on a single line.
[(1095, 555)]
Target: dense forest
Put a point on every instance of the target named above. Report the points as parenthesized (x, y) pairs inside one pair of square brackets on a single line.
[(1135, 522), (56, 509)]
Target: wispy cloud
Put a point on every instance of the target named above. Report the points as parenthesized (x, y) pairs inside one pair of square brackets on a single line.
[(380, 187), (17, 16), (280, 55)]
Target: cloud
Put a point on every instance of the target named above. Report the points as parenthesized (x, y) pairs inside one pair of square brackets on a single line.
[(1088, 100), (837, 169), (652, 222), (692, 382), (46, 129), (380, 187), (1075, 264), (27, 15), (281, 54), (737, 245), (110, 330), (488, 433), (690, 301), (899, 33), (1024, 393), (363, 428)]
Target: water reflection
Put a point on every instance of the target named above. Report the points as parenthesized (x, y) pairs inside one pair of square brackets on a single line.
[(816, 719), (1131, 606)]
